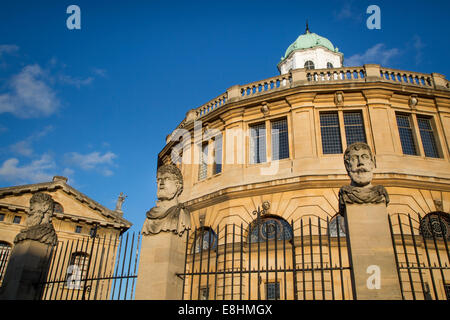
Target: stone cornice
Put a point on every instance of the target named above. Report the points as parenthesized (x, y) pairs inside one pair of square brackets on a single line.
[(313, 182)]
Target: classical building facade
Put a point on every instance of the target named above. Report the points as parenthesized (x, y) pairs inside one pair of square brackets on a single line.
[(277, 145), (84, 229)]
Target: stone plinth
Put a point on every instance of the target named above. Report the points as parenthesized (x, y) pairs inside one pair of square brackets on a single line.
[(370, 246), (27, 268), (162, 257)]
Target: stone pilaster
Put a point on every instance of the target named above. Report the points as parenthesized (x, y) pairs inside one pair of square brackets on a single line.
[(371, 252), (162, 257)]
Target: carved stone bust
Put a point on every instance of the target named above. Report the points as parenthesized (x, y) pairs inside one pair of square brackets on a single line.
[(360, 163), (169, 215), (39, 226)]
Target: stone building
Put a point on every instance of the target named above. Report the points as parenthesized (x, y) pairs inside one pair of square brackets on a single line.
[(81, 225), (278, 144)]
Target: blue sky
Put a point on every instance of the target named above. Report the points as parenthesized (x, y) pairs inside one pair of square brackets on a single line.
[(96, 104)]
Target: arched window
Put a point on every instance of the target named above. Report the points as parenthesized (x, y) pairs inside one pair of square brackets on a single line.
[(269, 227), (77, 270), (58, 208), (205, 238), (5, 250), (437, 224), (337, 221), (329, 65), (309, 65)]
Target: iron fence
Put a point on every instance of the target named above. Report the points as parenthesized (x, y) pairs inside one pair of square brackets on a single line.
[(268, 259), (93, 268), (422, 255)]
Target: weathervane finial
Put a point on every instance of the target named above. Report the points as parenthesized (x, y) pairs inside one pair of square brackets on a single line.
[(307, 27)]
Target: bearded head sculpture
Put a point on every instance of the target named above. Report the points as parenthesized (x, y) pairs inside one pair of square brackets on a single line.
[(360, 163)]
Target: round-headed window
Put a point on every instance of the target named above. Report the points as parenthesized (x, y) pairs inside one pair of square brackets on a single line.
[(270, 228), (309, 65)]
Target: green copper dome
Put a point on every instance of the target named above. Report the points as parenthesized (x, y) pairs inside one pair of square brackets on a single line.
[(309, 40)]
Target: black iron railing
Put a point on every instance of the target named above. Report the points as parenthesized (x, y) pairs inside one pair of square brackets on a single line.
[(422, 255), (268, 259), (93, 268)]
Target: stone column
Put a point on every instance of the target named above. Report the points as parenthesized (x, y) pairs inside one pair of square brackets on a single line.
[(371, 252), (162, 257), (164, 241), (32, 252), (369, 242), (27, 269)]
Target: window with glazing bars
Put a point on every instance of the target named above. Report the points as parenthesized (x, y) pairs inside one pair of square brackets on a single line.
[(272, 290), (217, 168), (258, 143), (354, 127), (406, 134), (428, 138), (280, 139), (331, 135), (203, 168)]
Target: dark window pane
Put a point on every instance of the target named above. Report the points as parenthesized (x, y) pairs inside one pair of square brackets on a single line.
[(331, 135), (203, 169), (218, 154), (427, 135), (17, 219), (406, 135), (354, 127), (272, 290), (258, 143), (280, 140)]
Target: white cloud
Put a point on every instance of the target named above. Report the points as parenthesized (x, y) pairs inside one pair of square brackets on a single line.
[(24, 147), (418, 46), (30, 94), (94, 160), (35, 171), (377, 54), (73, 81), (347, 11), (8, 49)]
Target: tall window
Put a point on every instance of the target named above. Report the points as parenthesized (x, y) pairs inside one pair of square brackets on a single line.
[(258, 143), (280, 140), (217, 168), (309, 65), (427, 135), (406, 134), (77, 270), (354, 127), (5, 250), (331, 135), (203, 169), (272, 290)]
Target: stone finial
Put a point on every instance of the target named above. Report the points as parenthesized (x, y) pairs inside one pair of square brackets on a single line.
[(360, 163), (120, 201), (39, 226), (60, 178), (169, 215)]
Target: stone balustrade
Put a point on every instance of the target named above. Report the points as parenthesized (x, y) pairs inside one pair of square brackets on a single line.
[(302, 77)]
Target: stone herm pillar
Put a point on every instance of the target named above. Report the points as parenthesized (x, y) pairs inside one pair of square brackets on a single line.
[(164, 241), (371, 252), (161, 258), (30, 257), (369, 241)]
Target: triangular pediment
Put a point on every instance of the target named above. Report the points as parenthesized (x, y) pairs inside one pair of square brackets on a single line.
[(76, 206)]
